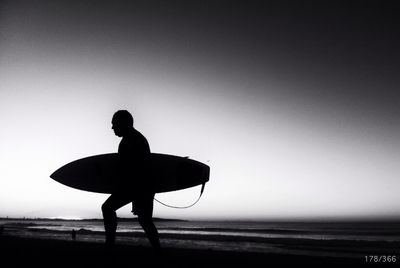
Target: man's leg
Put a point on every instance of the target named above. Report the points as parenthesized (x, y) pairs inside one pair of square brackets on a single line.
[(109, 208), (145, 217), (151, 231)]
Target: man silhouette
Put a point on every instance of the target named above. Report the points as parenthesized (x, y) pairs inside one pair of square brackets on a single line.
[(134, 184)]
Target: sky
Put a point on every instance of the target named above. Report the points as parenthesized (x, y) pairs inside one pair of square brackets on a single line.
[(295, 106)]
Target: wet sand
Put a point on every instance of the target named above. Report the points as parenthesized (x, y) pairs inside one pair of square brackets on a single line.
[(33, 252)]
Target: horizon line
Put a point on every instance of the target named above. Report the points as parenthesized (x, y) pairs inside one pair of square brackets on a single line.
[(255, 219)]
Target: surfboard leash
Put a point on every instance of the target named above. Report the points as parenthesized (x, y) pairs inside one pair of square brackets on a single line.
[(198, 199)]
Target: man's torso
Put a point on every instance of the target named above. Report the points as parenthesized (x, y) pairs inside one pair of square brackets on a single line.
[(134, 153)]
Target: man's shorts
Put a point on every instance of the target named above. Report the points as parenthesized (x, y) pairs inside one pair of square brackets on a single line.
[(142, 205)]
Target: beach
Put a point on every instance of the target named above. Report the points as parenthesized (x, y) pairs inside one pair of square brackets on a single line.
[(31, 243), (31, 252)]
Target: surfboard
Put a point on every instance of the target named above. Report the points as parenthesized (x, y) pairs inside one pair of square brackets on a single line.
[(98, 173)]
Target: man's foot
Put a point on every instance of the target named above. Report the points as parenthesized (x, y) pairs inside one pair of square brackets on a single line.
[(110, 242), (158, 252)]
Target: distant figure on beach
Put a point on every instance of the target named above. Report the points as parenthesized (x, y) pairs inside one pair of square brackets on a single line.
[(73, 234), (134, 183)]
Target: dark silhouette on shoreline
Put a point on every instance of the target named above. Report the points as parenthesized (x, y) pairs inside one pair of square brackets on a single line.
[(73, 235), (135, 185)]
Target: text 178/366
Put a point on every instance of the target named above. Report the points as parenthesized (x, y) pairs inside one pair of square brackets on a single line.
[(381, 258)]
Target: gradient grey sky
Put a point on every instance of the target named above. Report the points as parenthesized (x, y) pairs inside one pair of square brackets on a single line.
[(295, 106)]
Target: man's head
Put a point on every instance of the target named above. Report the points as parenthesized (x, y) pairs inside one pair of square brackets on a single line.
[(122, 122)]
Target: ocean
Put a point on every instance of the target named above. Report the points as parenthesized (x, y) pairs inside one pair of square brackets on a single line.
[(331, 239)]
